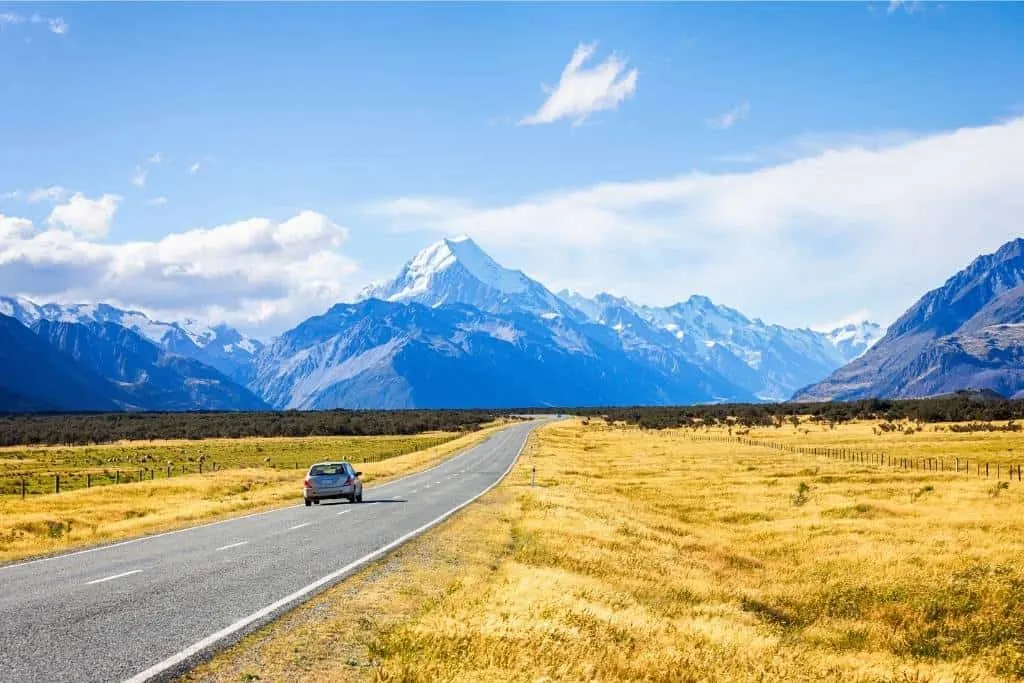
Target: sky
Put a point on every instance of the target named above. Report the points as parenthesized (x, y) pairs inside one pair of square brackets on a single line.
[(804, 163)]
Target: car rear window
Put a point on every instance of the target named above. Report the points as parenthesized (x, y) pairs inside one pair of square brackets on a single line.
[(327, 470)]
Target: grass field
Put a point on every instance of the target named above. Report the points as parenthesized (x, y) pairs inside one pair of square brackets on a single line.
[(132, 461), (41, 524), (645, 555)]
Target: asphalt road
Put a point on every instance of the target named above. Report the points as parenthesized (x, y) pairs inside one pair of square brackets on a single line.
[(151, 608)]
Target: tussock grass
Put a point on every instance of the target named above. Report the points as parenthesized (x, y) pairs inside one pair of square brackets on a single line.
[(916, 441), (74, 519), (128, 461), (644, 555)]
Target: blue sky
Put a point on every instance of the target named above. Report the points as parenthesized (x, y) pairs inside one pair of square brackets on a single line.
[(376, 129)]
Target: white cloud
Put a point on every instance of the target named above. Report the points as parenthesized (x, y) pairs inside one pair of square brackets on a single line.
[(583, 91), (157, 201), (139, 176), (54, 193), (259, 274), (58, 26), (155, 159), (11, 227), (85, 216), (194, 168), (731, 117), (840, 230)]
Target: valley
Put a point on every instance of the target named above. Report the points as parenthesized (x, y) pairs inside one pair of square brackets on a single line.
[(647, 555)]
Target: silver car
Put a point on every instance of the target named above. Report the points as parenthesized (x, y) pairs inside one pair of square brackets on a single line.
[(326, 480)]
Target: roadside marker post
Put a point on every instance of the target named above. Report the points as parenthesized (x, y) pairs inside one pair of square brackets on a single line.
[(533, 476)]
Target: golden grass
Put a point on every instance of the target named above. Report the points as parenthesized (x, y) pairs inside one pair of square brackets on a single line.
[(84, 517), (128, 461), (924, 441), (648, 556)]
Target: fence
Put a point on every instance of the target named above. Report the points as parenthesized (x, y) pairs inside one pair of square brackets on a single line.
[(880, 459), (38, 483)]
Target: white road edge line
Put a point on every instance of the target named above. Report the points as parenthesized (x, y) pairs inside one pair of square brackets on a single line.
[(343, 512), (232, 545), (210, 640), (447, 460), (115, 576), (299, 526)]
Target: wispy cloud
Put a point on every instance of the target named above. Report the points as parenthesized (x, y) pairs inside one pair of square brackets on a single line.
[(54, 193), (157, 201), (139, 176), (582, 91), (56, 25), (194, 168), (908, 6), (731, 117), (843, 219), (155, 159)]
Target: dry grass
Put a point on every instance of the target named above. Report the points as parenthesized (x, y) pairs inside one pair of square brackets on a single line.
[(914, 441), (130, 461), (75, 519), (648, 556)]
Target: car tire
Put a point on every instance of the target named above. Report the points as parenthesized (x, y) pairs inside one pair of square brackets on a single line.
[(316, 501), (308, 502)]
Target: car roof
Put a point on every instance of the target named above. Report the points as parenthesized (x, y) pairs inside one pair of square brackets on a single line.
[(329, 462)]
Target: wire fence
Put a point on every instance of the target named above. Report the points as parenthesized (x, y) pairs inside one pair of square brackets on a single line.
[(953, 464), (43, 482)]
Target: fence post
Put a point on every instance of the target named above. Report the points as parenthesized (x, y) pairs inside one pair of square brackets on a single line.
[(986, 470), (140, 475), (201, 469), (117, 476), (23, 489), (88, 480), (152, 474), (56, 483), (183, 468), (958, 465)]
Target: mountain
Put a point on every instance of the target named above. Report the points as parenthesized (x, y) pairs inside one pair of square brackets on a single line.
[(398, 355), (220, 346), (769, 361), (457, 271), (34, 376), (149, 377), (966, 334)]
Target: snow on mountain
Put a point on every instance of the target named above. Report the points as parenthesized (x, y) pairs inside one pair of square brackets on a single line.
[(220, 346), (855, 339), (458, 271), (771, 361)]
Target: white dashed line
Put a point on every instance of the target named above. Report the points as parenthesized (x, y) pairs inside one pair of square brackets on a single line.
[(232, 545), (299, 526), (115, 576), (343, 512)]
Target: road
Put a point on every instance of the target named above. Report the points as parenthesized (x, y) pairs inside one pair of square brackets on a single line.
[(150, 608)]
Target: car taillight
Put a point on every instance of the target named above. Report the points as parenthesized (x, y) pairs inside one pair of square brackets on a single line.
[(306, 483), (348, 481)]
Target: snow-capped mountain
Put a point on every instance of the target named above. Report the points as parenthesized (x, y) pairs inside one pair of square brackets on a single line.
[(457, 271), (854, 339), (392, 355), (770, 361), (966, 334), (219, 346)]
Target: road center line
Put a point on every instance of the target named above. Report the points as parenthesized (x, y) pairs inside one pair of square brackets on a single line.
[(343, 512), (299, 595), (299, 526), (115, 576), (232, 545)]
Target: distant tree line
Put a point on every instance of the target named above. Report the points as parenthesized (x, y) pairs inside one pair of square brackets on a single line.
[(964, 406), (84, 429)]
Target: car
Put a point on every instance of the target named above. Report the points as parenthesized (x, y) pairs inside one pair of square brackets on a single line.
[(327, 480)]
